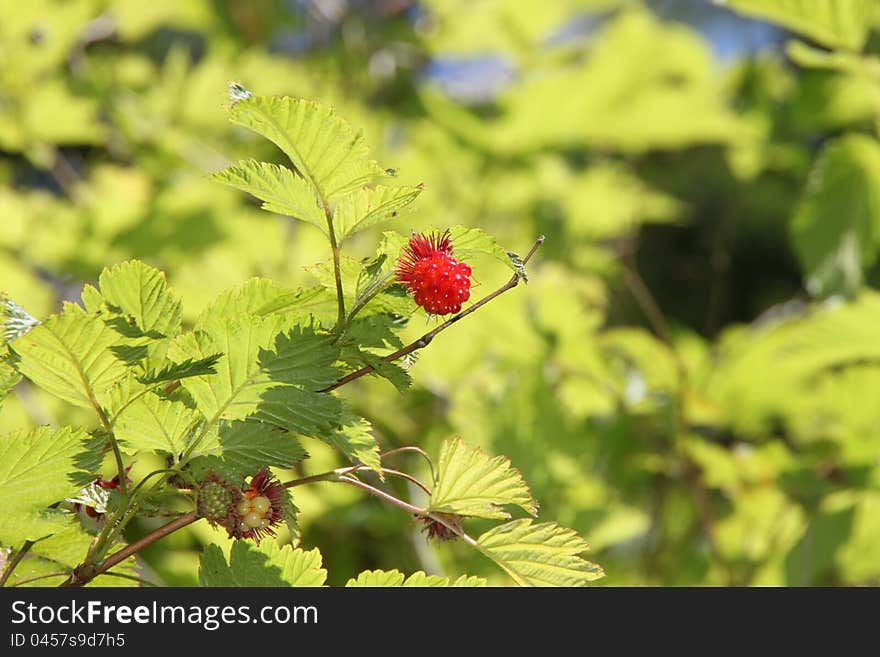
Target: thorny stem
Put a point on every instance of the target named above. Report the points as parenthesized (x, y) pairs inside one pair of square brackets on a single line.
[(81, 577), (425, 340)]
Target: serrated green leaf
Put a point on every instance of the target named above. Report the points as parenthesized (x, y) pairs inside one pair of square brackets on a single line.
[(301, 357), (394, 373), (18, 525), (376, 331), (395, 578), (836, 228), (543, 554), (354, 439), (264, 372), (376, 578), (182, 370), (280, 189), (368, 206), (36, 467), (323, 148), (140, 291), (472, 483), (290, 512), (834, 23), (245, 447), (420, 579), (266, 565), (69, 356), (299, 411), (154, 424), (262, 297), (468, 241)]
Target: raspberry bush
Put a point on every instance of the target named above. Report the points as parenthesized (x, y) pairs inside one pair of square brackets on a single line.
[(224, 404)]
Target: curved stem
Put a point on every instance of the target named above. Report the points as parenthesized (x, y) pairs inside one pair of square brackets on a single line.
[(417, 450), (425, 340), (408, 477), (388, 497), (114, 444)]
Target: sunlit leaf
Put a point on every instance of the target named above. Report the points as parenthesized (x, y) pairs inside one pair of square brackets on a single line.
[(266, 565), (141, 292), (323, 148), (279, 188), (472, 483), (69, 356), (543, 554)]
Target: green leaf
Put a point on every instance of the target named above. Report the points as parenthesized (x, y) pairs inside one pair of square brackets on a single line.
[(472, 483), (833, 23), (468, 241), (375, 331), (245, 447), (263, 297), (394, 373), (280, 189), (301, 357), (30, 524), (36, 467), (299, 411), (265, 566), (69, 356), (395, 578), (377, 578), (353, 438), (323, 148), (182, 370), (369, 206), (836, 230), (543, 554), (266, 373), (154, 424), (9, 377), (140, 291)]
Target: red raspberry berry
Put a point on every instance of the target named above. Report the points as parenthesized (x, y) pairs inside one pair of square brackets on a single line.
[(438, 282)]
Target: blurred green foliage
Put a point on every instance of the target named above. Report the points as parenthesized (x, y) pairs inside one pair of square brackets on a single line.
[(690, 379)]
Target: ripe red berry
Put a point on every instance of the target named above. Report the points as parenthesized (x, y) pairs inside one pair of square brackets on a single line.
[(438, 282)]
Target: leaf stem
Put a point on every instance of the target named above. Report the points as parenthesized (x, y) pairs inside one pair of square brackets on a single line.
[(417, 450), (117, 453), (381, 494), (337, 273), (426, 339)]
